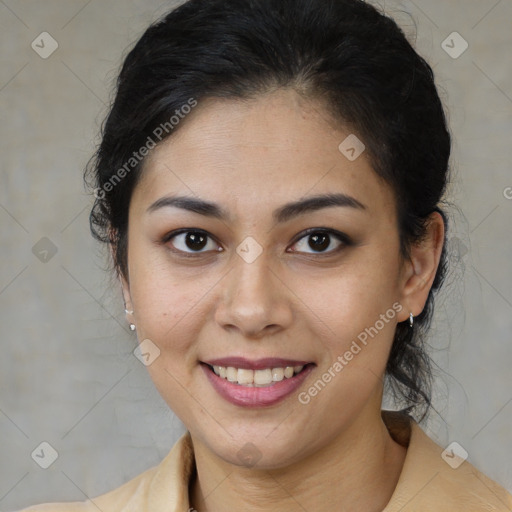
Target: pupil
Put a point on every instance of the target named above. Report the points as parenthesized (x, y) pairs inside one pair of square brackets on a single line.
[(195, 241), (320, 241)]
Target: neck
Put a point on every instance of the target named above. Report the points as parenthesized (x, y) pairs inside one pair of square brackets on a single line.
[(362, 476)]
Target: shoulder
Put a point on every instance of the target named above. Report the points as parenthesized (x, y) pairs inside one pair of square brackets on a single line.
[(436, 479), (166, 483), (130, 496)]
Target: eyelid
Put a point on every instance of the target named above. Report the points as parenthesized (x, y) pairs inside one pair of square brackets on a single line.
[(169, 236), (341, 237)]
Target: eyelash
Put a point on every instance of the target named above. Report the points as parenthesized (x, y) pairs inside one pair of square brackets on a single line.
[(341, 237)]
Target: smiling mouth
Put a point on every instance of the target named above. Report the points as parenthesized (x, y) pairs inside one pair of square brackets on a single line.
[(261, 378)]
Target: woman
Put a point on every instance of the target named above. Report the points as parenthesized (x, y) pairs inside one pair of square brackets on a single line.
[(269, 182)]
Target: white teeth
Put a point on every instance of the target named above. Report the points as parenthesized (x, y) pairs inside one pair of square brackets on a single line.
[(262, 377), (245, 376), (288, 372), (231, 374), (277, 374), (257, 378)]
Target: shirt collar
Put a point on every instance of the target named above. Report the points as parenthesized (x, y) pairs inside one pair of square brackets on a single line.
[(425, 479)]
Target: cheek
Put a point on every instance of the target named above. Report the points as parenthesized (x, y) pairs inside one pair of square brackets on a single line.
[(359, 288), (171, 313), (168, 306), (355, 304)]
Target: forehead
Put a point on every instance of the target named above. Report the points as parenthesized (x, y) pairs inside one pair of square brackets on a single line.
[(250, 153)]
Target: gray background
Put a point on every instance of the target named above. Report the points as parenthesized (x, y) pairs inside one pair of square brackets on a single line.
[(68, 375)]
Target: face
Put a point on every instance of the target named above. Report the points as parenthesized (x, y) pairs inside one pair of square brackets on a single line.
[(247, 283)]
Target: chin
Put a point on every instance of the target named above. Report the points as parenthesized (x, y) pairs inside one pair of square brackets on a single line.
[(261, 449)]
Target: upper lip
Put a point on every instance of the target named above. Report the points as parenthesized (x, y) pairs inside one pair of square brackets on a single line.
[(256, 364)]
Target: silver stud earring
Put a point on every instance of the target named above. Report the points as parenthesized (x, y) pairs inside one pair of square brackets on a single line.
[(411, 319), (130, 312)]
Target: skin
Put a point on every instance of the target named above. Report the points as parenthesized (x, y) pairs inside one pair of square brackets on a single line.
[(252, 157)]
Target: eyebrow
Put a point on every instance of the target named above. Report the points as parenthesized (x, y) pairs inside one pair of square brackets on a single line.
[(280, 215)]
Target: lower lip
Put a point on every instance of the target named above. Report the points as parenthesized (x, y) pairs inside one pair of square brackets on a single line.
[(255, 396)]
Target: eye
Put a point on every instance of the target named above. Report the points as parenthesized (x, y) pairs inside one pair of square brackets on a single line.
[(319, 240), (192, 241)]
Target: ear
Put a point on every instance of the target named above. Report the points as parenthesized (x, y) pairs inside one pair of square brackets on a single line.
[(126, 295), (419, 271), (125, 285)]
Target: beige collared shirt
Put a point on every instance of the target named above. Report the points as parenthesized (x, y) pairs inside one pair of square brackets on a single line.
[(426, 483)]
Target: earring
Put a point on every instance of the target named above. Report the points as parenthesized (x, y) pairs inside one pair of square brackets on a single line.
[(128, 312), (411, 319)]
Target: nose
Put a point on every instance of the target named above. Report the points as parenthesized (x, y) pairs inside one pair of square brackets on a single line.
[(254, 300)]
